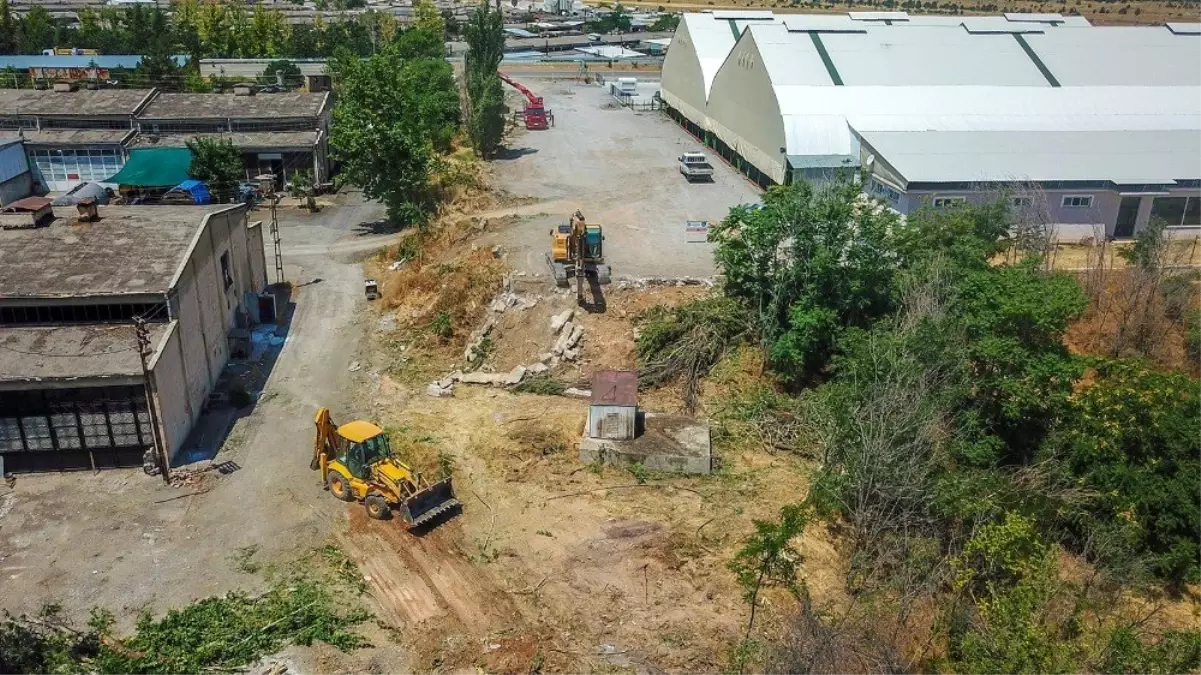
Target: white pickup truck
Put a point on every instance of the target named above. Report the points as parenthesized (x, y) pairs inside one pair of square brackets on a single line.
[(695, 166)]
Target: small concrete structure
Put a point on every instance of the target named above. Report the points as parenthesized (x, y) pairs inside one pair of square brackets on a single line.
[(613, 412), (675, 443)]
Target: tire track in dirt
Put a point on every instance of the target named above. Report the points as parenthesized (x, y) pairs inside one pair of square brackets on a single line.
[(404, 597), (419, 578)]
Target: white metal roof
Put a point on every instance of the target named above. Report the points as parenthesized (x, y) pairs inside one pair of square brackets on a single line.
[(927, 55), (1119, 55), (1124, 157), (1185, 28), (811, 114), (789, 59)]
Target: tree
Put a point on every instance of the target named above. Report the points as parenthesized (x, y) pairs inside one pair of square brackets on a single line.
[(37, 31), (768, 558), (486, 43), (391, 113), (808, 263), (9, 39), (284, 72), (1131, 437), (666, 22), (218, 164)]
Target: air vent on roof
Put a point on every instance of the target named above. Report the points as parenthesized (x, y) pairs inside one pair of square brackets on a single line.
[(823, 24), (1185, 28), (879, 16), (995, 24), (1034, 17)]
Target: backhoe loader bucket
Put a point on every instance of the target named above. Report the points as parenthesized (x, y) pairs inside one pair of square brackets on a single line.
[(428, 503)]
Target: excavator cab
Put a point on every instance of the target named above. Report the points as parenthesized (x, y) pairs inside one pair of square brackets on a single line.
[(357, 464)]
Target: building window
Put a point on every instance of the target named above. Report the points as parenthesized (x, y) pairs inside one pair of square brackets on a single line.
[(1077, 201), (945, 202), (1021, 202), (1177, 211), (226, 276)]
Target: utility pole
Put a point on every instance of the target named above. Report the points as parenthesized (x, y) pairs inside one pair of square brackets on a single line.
[(279, 252), (160, 448)]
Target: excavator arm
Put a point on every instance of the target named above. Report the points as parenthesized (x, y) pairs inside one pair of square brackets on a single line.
[(325, 443)]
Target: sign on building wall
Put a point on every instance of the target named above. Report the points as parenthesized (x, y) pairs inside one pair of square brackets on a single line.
[(71, 74), (885, 192), (696, 231)]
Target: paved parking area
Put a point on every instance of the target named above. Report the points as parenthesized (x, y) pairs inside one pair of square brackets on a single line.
[(619, 167)]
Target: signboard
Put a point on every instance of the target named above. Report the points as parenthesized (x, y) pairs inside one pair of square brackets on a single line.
[(70, 74), (696, 231)]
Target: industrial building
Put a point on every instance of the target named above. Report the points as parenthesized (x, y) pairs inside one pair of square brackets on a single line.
[(71, 136), (74, 391), (74, 135), (280, 133), (1103, 123)]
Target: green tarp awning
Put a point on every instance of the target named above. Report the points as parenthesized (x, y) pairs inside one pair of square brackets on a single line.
[(154, 167)]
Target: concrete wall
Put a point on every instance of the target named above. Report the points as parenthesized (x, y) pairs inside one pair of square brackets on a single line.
[(171, 391), (258, 261), (206, 308), (746, 114)]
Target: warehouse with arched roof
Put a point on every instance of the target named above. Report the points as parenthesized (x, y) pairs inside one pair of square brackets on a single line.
[(1105, 120)]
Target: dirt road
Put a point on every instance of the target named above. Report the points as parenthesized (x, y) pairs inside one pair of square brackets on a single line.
[(122, 540)]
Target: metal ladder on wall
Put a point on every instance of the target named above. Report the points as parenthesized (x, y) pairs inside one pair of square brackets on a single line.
[(279, 254)]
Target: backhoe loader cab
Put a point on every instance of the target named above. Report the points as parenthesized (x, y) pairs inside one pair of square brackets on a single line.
[(357, 464)]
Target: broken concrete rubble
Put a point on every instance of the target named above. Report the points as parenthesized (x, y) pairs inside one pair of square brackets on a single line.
[(577, 393), (559, 320), (477, 338), (436, 390), (537, 368), (512, 377)]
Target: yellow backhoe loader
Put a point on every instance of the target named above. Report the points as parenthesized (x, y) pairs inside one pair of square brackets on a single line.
[(357, 464)]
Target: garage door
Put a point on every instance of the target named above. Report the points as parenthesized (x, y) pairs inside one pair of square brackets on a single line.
[(72, 429)]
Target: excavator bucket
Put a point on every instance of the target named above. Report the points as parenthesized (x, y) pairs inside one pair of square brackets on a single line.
[(428, 503)]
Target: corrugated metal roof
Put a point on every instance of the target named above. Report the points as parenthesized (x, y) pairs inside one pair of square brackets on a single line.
[(1124, 157), (1119, 55), (615, 387)]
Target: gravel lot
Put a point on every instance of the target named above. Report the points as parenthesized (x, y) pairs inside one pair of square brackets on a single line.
[(619, 167)]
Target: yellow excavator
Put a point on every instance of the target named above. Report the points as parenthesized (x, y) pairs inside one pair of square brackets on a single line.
[(357, 464), (577, 249)]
